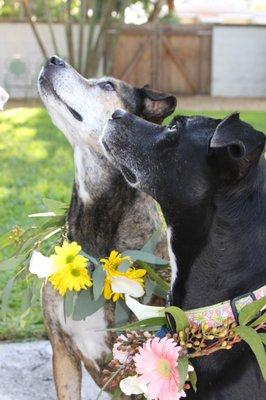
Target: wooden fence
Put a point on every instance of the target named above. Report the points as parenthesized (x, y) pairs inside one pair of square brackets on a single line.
[(171, 59)]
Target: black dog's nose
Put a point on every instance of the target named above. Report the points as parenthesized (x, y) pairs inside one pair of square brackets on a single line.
[(119, 113), (56, 61)]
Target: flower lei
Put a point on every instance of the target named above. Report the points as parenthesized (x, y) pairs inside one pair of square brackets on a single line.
[(157, 363), (43, 253)]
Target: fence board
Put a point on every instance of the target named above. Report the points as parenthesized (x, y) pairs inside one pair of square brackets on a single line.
[(176, 59)]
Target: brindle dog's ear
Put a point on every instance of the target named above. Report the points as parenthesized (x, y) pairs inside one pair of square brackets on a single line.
[(237, 146), (156, 105)]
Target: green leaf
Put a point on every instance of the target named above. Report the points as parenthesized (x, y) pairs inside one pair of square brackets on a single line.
[(253, 339), (117, 394), (154, 276), (250, 311), (193, 380), (138, 255), (85, 305), (68, 303), (98, 277), (56, 206), (259, 321), (121, 312), (6, 295), (176, 318), (182, 365), (123, 267), (149, 290), (263, 338), (143, 324), (150, 246), (27, 297), (13, 262)]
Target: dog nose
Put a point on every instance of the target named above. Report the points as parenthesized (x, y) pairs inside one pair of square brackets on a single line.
[(119, 113), (56, 61)]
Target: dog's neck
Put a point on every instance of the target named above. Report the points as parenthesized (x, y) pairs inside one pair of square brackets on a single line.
[(218, 246), (105, 213)]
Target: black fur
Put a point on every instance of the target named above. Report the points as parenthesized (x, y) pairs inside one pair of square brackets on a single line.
[(209, 177)]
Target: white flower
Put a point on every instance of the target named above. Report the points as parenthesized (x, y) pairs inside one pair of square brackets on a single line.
[(122, 284), (131, 385), (4, 96), (41, 265), (142, 311)]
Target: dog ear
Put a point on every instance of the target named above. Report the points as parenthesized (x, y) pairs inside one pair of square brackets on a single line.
[(156, 106), (237, 146)]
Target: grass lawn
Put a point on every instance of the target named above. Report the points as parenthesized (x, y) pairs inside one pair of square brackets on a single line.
[(36, 162)]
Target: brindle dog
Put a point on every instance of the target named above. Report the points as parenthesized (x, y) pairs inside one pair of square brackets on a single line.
[(105, 213)]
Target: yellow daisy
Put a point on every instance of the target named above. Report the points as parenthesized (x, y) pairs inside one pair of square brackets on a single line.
[(113, 261), (68, 253), (70, 277), (70, 269)]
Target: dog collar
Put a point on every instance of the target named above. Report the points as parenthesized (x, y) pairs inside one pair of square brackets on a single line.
[(216, 314)]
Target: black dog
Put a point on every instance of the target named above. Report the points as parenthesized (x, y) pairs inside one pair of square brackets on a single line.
[(208, 175)]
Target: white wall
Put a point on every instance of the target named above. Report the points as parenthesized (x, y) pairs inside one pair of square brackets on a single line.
[(239, 61), (17, 39)]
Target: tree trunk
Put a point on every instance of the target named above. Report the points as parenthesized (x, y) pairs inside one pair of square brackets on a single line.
[(83, 16), (69, 35), (171, 6), (28, 15), (156, 11), (50, 26)]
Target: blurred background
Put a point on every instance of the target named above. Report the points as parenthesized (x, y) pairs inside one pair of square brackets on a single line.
[(210, 53), (188, 47)]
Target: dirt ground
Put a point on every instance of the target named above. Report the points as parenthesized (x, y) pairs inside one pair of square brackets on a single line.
[(186, 102)]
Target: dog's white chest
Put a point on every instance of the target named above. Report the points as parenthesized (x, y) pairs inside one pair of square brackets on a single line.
[(173, 264), (89, 335)]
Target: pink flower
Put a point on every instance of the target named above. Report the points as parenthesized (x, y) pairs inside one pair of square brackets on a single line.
[(156, 365)]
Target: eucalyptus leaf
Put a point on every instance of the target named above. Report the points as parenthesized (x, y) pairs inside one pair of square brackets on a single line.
[(154, 276), (121, 312), (253, 339), (150, 246), (193, 380), (138, 255), (98, 277), (13, 262), (250, 311), (123, 267), (68, 303), (56, 206), (6, 295), (176, 318), (182, 366), (85, 305), (149, 290), (27, 298)]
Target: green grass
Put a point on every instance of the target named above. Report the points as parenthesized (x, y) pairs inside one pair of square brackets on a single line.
[(36, 162)]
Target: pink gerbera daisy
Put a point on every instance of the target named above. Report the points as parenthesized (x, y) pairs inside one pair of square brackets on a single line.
[(156, 365)]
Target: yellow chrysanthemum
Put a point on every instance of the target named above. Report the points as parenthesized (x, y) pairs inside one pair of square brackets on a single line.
[(117, 283), (70, 277), (68, 253), (113, 261), (70, 269)]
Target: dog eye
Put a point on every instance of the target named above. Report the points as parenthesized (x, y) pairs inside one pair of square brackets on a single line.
[(107, 86)]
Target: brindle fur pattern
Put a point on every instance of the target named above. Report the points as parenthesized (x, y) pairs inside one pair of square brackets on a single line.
[(105, 213)]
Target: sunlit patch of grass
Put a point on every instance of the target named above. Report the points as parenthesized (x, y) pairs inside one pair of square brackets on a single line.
[(36, 162)]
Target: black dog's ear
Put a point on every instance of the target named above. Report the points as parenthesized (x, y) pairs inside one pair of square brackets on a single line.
[(236, 145), (155, 106)]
